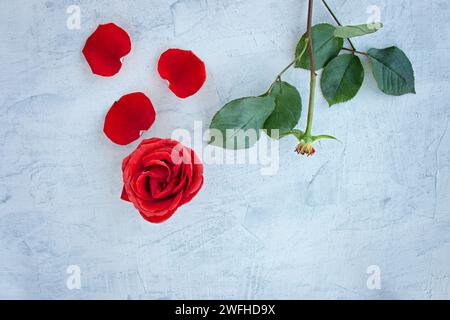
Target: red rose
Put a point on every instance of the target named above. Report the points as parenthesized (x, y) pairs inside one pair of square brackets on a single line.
[(160, 176)]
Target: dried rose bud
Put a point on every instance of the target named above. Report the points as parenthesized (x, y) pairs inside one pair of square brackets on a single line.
[(305, 149)]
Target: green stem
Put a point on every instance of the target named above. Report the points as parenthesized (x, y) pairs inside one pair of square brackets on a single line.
[(312, 63), (285, 69), (312, 95), (278, 78)]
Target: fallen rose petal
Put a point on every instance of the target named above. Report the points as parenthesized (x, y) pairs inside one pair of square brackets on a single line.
[(183, 70), (128, 118), (105, 49)]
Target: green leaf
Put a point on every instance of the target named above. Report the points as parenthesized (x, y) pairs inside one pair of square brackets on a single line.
[(356, 31), (239, 122), (288, 108), (392, 71), (326, 46), (342, 78), (324, 136), (296, 133)]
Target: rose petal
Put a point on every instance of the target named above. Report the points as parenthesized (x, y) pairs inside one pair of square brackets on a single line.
[(191, 196), (128, 117), (141, 187), (193, 175), (156, 206), (158, 170), (124, 195), (157, 219), (168, 190), (159, 154), (105, 48), (197, 176), (184, 71), (157, 187)]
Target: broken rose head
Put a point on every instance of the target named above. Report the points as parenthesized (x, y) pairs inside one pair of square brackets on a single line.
[(105, 48), (305, 149), (183, 70)]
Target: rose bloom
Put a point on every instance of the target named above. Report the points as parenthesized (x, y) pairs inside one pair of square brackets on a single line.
[(160, 176)]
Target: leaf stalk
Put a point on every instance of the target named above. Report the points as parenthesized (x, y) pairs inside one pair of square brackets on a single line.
[(284, 70), (356, 51)]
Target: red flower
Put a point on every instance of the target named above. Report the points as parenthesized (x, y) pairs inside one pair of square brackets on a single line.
[(184, 71), (105, 49), (128, 118), (160, 176)]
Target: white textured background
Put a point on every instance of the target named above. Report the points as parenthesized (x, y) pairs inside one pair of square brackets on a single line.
[(380, 198)]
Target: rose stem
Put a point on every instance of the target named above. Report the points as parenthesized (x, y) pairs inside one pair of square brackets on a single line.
[(312, 63)]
